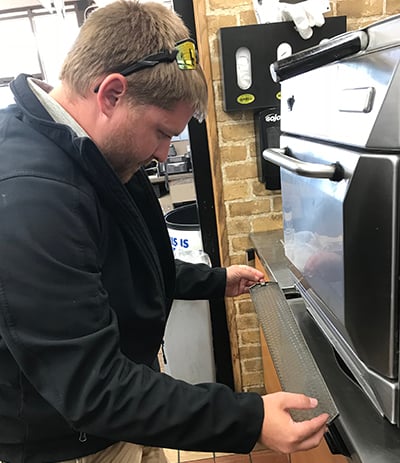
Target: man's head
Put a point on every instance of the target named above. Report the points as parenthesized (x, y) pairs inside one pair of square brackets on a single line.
[(121, 33), (131, 116)]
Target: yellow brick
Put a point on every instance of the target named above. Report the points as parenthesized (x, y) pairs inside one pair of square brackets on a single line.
[(252, 365), (245, 307), (251, 379), (252, 149), (237, 132), (215, 4), (277, 203), (358, 23), (215, 69), (248, 116), (233, 153), (246, 208), (246, 352), (240, 171), (259, 189), (214, 47), (217, 87), (235, 190), (360, 8), (238, 226), (239, 244), (215, 22), (235, 116), (257, 389), (248, 321), (249, 337), (238, 259), (247, 17), (270, 222), (392, 7)]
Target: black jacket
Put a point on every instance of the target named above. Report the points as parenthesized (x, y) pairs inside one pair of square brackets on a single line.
[(87, 277)]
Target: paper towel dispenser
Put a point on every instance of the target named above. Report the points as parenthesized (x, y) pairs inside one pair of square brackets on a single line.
[(247, 52)]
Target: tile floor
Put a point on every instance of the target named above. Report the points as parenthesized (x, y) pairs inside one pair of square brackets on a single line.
[(257, 456)]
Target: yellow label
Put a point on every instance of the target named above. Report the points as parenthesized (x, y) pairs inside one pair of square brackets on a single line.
[(246, 98), (278, 96)]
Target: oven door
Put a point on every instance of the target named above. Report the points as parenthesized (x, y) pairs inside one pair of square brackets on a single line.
[(341, 238)]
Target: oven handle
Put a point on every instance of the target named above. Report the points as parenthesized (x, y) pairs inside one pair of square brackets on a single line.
[(338, 47), (280, 157)]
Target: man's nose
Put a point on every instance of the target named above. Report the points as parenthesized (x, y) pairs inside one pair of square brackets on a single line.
[(161, 154)]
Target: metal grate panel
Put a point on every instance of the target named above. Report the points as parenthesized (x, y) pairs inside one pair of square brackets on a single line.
[(294, 363)]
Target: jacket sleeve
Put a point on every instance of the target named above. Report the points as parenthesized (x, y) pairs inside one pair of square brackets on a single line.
[(199, 281), (57, 322)]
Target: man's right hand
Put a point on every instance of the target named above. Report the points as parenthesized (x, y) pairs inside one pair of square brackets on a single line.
[(282, 434)]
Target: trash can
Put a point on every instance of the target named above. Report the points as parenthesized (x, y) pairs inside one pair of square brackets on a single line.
[(184, 228), (188, 345), (188, 342)]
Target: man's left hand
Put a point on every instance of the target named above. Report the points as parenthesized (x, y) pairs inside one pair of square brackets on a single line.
[(239, 278)]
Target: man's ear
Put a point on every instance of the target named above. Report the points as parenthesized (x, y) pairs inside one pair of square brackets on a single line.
[(111, 90)]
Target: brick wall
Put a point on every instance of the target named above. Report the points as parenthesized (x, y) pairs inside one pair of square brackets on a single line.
[(248, 207)]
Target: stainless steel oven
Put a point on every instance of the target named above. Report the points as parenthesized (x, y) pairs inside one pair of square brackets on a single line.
[(339, 159)]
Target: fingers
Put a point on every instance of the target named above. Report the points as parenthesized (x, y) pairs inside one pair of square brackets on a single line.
[(249, 273), (310, 433), (312, 427), (239, 278), (297, 401), (281, 433)]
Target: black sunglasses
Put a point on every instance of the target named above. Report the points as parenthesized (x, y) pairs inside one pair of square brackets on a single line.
[(184, 53)]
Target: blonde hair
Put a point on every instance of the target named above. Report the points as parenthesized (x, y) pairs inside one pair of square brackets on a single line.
[(123, 32)]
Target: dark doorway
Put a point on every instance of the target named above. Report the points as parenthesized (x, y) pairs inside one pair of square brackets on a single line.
[(207, 219)]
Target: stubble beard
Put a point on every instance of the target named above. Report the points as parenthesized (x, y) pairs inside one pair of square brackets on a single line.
[(120, 154)]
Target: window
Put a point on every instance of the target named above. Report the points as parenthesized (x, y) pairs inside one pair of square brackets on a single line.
[(34, 42)]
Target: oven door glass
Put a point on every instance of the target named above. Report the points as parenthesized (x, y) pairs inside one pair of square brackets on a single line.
[(342, 240), (313, 225)]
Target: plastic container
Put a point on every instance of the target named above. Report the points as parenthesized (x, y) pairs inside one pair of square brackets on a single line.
[(184, 228)]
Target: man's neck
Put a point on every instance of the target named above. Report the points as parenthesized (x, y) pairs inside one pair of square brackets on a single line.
[(70, 104), (57, 110)]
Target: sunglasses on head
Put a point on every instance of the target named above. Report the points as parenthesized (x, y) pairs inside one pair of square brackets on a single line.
[(184, 53)]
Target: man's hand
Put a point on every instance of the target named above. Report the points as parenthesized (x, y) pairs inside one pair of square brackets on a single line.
[(281, 433), (239, 278)]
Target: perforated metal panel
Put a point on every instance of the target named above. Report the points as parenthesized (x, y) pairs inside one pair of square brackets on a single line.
[(293, 361)]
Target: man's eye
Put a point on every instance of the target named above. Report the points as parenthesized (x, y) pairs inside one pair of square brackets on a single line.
[(164, 135)]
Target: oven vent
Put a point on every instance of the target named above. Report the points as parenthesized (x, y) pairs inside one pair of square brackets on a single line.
[(293, 361)]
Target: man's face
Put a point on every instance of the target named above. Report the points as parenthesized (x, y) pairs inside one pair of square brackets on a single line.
[(139, 134)]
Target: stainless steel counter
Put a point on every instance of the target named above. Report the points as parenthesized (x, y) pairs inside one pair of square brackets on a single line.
[(359, 430)]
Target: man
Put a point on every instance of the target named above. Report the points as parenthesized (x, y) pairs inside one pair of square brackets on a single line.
[(87, 275)]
